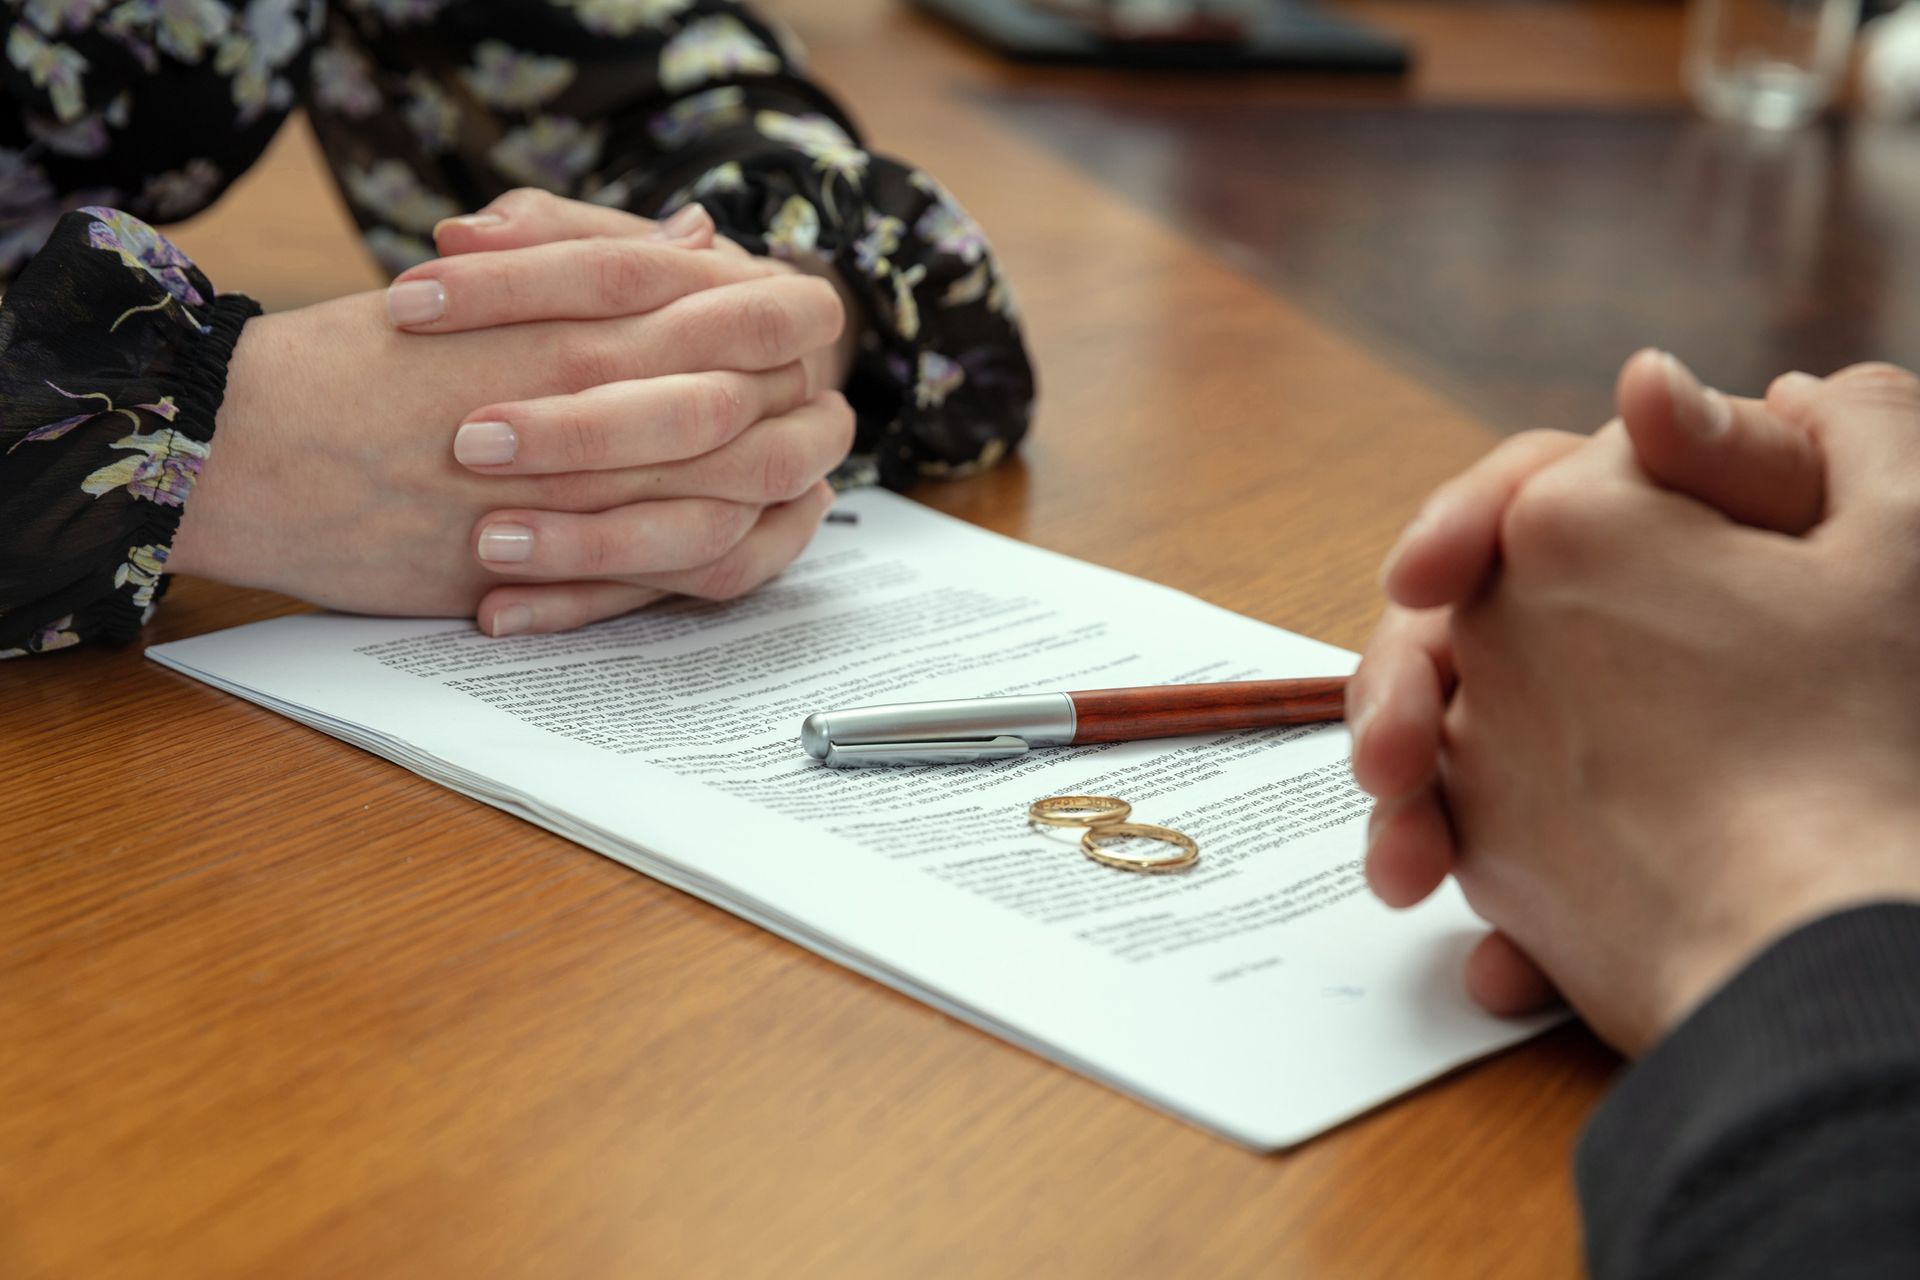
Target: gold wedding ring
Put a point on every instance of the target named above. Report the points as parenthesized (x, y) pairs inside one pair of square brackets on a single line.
[(1078, 811), (1105, 818), (1187, 853)]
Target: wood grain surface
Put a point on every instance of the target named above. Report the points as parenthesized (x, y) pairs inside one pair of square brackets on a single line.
[(1513, 258), (272, 1007)]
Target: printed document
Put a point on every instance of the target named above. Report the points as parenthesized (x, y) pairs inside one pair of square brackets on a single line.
[(1261, 993)]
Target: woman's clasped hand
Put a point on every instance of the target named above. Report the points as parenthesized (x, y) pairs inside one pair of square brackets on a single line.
[(572, 413)]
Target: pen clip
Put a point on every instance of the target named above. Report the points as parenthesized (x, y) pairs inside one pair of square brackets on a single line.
[(842, 755)]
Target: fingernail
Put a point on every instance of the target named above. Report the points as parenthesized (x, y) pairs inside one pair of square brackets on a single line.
[(1423, 520), (1719, 414), (1357, 718), (470, 220), (1386, 566), (506, 543), (484, 444), (1701, 412), (684, 225), (512, 620), (416, 302)]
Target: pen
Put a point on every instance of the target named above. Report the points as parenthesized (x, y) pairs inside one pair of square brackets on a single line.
[(996, 728)]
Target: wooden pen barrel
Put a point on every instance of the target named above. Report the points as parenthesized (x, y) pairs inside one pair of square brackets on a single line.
[(1169, 711)]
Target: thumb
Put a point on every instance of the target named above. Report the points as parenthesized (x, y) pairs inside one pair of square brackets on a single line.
[(1737, 456)]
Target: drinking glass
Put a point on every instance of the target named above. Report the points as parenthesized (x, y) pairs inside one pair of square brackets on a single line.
[(1773, 64)]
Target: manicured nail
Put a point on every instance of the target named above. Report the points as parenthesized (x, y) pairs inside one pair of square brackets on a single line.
[(416, 302), (684, 225), (506, 543), (470, 220), (1701, 412), (512, 620), (484, 444)]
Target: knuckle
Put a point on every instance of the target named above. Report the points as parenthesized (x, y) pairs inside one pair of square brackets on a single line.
[(584, 362), (577, 439), (600, 550), (522, 202), (767, 325), (1539, 440), (726, 579), (1522, 454), (784, 474), (1888, 383), (716, 528), (1546, 523), (503, 275), (617, 274), (715, 411)]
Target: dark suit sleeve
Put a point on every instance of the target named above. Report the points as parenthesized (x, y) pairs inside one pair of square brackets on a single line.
[(1776, 1132)]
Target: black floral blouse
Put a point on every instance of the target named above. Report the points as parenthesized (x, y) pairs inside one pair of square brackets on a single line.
[(113, 346)]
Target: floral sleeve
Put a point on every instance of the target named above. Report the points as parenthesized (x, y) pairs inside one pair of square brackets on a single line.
[(428, 109), (113, 362), (113, 347), (942, 386), (149, 106)]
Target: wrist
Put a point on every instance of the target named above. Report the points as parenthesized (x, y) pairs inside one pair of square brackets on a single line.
[(1870, 857), (215, 539), (1795, 1039)]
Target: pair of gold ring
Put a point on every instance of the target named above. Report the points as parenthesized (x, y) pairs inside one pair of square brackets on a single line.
[(1105, 818)]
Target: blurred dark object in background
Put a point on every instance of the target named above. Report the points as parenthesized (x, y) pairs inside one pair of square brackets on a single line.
[(1511, 258), (1195, 21), (1178, 35)]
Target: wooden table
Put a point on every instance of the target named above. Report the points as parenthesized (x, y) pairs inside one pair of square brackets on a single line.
[(272, 1007)]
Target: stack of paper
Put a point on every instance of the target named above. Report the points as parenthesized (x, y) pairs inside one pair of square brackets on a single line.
[(1262, 993)]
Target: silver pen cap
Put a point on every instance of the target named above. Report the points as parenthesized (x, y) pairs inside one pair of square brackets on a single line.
[(939, 732)]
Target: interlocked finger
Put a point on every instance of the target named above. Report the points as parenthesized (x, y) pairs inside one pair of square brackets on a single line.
[(635, 423), (748, 326), (781, 533), (528, 215), (587, 279), (629, 542)]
